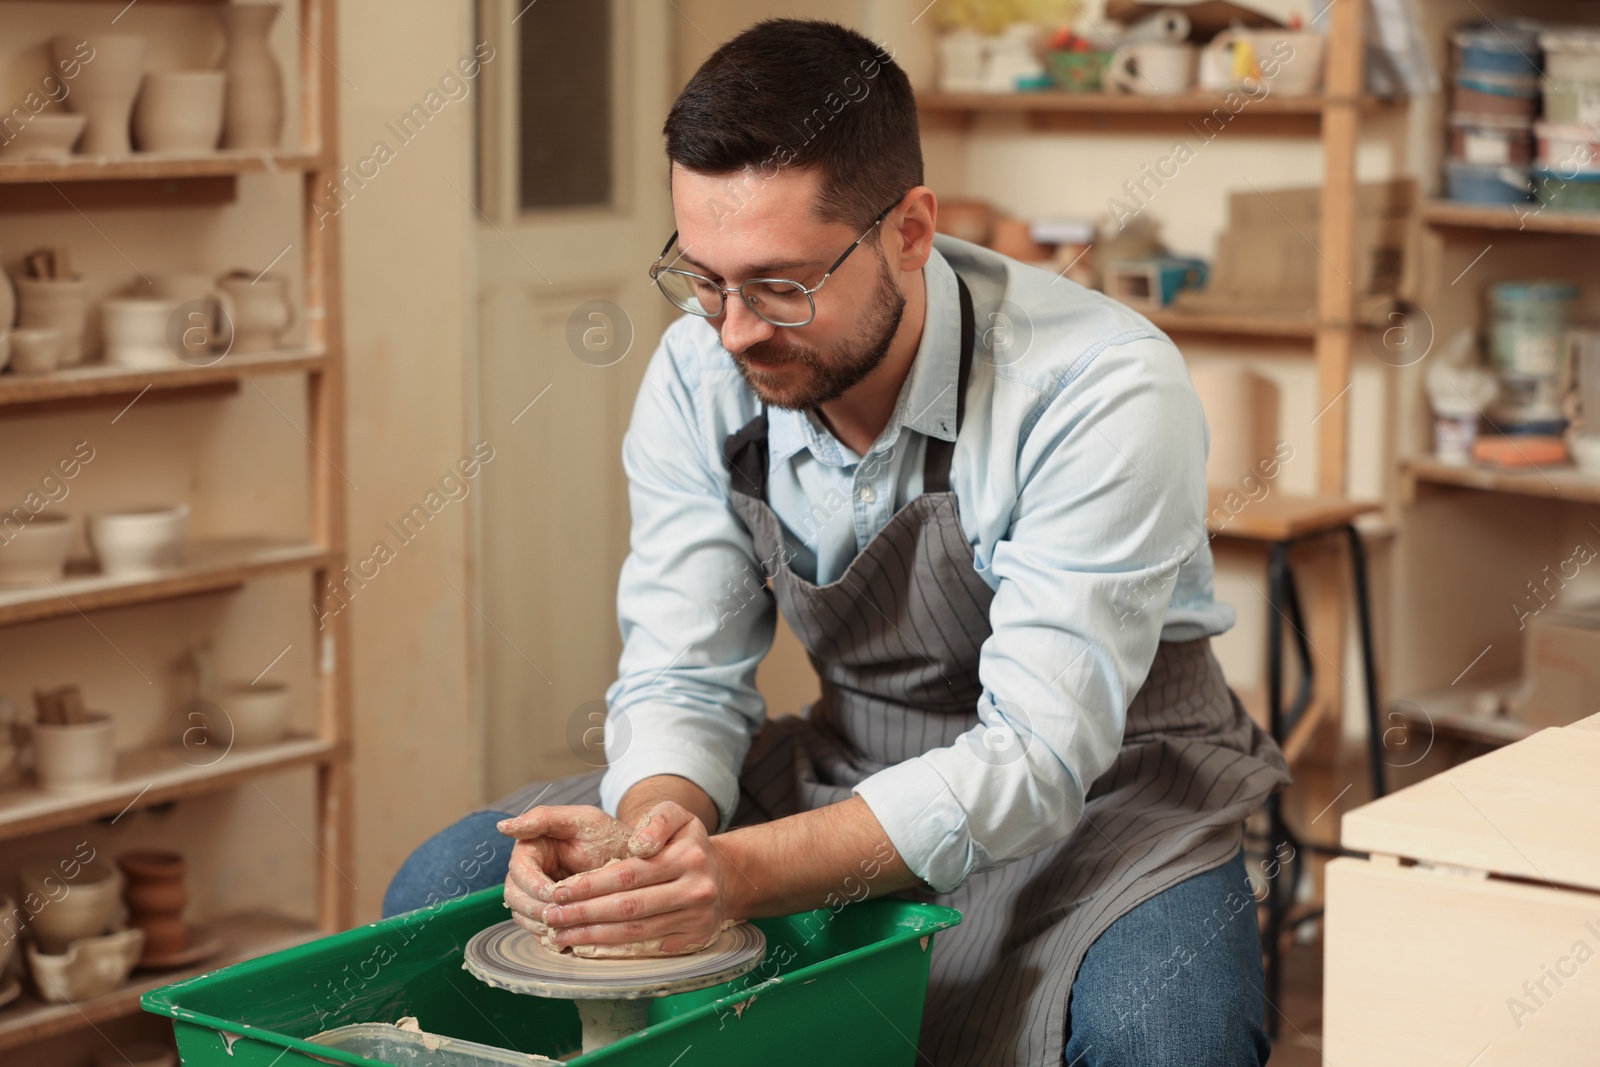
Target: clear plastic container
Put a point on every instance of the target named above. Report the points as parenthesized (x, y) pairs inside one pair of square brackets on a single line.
[(407, 1048)]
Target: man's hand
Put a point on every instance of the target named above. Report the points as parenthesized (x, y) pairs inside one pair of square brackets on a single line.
[(553, 843), (669, 896)]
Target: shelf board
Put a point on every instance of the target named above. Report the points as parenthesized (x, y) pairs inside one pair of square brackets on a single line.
[(1197, 103), (1559, 483), (99, 380), (1230, 324), (211, 566), (245, 936), (157, 165), (155, 775), (1508, 217)]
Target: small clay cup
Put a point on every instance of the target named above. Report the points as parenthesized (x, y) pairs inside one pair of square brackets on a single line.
[(156, 897)]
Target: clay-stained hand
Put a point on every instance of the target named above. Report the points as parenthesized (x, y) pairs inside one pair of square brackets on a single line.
[(669, 897), (556, 842)]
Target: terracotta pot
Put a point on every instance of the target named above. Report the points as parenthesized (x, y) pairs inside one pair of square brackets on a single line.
[(62, 303), (261, 310), (104, 87), (254, 110), (180, 111), (156, 898)]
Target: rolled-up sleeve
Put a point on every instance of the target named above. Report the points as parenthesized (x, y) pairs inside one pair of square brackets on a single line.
[(1111, 498), (695, 614)]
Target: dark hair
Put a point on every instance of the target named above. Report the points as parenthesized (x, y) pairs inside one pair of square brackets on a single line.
[(810, 94)]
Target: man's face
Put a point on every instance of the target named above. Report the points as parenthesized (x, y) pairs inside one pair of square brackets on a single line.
[(732, 228)]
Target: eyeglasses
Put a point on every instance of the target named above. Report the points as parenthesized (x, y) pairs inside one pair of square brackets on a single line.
[(776, 300)]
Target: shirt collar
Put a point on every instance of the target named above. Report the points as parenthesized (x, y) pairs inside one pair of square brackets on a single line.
[(927, 400)]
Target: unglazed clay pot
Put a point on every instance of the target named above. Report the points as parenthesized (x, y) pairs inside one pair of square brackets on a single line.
[(103, 87), (254, 111), (36, 350), (75, 757), (137, 331), (66, 909), (90, 967), (34, 553), (261, 310), (207, 312), (45, 136), (156, 898), (62, 303), (180, 111), (140, 543)]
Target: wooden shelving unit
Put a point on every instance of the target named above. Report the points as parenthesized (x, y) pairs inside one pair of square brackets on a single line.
[(1333, 328), (100, 382), (245, 936), (1527, 219), (1554, 483), (162, 165), (160, 775)]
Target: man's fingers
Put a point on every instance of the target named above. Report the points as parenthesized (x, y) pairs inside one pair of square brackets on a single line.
[(560, 820), (527, 872), (612, 878), (657, 826), (659, 899), (522, 903)]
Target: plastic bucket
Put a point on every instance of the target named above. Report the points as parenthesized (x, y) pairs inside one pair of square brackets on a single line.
[(842, 987), (1528, 326), (1487, 184), (1509, 47), (1571, 55), (1564, 190), (1491, 139), (1569, 148)]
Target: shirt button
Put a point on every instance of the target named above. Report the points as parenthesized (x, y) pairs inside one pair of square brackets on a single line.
[(867, 494)]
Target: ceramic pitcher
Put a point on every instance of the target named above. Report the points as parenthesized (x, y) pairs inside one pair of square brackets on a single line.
[(262, 312)]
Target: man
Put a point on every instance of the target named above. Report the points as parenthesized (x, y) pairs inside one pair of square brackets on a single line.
[(978, 494)]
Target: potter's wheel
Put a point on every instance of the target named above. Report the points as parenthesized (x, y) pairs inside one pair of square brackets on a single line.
[(612, 995), (508, 957)]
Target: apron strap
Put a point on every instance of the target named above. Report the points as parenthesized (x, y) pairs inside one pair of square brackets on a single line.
[(746, 456), (937, 455)]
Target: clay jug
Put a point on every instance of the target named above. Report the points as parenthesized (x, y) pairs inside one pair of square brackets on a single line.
[(156, 897), (253, 115)]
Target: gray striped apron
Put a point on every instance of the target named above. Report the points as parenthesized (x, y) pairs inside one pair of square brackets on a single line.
[(895, 644)]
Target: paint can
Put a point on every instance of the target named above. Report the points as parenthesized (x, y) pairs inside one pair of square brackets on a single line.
[(1528, 326)]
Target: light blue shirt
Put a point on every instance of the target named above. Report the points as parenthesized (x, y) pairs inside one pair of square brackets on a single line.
[(1080, 480)]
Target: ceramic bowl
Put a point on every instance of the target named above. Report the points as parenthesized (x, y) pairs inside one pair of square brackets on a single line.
[(69, 908), (36, 349), (35, 553), (46, 136), (75, 757), (259, 713), (139, 542), (179, 111), (137, 1054), (90, 966)]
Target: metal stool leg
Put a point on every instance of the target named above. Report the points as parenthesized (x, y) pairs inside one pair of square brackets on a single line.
[(1281, 889), (1358, 575)]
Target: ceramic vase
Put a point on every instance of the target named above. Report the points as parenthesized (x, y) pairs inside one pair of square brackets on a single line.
[(254, 110), (156, 898), (180, 111), (104, 87), (261, 310), (58, 303)]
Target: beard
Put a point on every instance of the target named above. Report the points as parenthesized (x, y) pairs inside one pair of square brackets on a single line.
[(824, 377)]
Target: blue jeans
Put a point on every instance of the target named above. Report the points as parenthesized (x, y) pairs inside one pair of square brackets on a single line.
[(1175, 981)]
